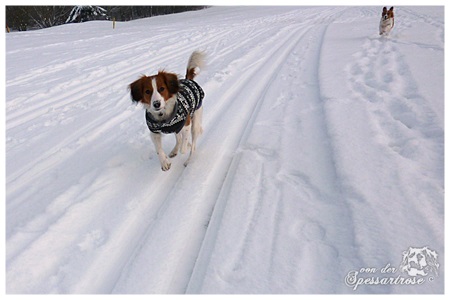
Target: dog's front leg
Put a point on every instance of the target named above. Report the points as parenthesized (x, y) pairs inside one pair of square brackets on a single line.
[(164, 160), (175, 149)]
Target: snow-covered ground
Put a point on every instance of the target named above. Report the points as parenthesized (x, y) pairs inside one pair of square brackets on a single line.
[(322, 154)]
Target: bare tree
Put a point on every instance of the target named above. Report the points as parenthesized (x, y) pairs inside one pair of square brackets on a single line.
[(17, 17), (31, 17), (48, 16)]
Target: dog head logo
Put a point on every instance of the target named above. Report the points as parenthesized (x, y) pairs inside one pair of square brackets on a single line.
[(419, 262)]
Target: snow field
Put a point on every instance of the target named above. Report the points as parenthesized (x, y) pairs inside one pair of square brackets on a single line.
[(322, 153)]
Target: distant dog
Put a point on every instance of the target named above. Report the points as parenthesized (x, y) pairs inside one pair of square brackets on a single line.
[(171, 104), (387, 21)]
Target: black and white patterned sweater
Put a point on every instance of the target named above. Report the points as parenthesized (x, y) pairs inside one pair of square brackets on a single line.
[(189, 99)]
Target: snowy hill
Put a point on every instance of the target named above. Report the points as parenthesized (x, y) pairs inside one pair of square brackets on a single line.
[(322, 155)]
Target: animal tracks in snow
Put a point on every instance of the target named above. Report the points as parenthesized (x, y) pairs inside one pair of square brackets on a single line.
[(380, 76), (92, 240)]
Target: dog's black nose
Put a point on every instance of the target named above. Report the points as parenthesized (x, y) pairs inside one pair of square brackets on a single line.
[(156, 104)]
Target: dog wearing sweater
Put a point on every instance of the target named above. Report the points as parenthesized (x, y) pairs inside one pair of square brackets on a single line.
[(172, 106)]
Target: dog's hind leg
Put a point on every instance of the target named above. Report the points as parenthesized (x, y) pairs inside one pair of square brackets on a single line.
[(185, 139), (196, 131)]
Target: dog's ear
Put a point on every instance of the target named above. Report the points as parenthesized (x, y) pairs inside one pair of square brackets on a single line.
[(171, 81), (136, 89), (392, 9), (384, 9)]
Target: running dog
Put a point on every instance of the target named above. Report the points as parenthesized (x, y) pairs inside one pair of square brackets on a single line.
[(387, 21), (172, 105)]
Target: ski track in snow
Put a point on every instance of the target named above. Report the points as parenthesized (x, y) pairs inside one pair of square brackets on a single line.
[(311, 146)]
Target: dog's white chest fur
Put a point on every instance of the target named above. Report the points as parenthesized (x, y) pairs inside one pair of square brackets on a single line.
[(386, 25)]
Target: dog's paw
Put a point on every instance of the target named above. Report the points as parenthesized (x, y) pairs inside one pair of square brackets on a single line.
[(164, 160), (173, 153), (166, 166), (188, 160)]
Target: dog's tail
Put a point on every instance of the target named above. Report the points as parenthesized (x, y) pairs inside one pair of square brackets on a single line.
[(195, 64)]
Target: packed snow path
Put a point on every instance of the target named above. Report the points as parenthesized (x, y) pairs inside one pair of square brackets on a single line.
[(322, 153)]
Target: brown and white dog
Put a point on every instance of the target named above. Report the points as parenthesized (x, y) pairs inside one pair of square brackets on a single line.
[(387, 21), (172, 106)]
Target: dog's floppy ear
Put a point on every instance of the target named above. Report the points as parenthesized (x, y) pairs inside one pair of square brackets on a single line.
[(171, 81), (136, 89)]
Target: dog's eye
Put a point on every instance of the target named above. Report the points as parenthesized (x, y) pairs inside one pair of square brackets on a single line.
[(147, 92), (161, 89)]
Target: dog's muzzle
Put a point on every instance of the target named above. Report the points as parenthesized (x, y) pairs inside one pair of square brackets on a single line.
[(156, 104)]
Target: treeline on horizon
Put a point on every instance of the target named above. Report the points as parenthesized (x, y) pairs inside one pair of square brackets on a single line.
[(22, 18)]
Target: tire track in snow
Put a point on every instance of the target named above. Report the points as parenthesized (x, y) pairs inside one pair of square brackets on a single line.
[(58, 223), (84, 90), (171, 205), (85, 85), (199, 204), (139, 61), (317, 182), (62, 152), (74, 142), (106, 281), (88, 132)]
